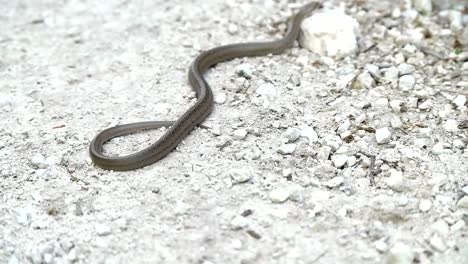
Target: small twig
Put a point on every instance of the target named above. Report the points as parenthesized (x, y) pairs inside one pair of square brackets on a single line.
[(372, 170), (319, 256), (429, 51)]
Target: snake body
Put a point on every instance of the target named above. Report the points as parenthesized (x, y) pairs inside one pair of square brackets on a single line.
[(180, 128)]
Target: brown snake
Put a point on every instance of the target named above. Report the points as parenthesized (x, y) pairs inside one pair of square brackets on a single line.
[(180, 128)]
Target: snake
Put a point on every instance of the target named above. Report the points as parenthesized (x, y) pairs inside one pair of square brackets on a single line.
[(177, 130)]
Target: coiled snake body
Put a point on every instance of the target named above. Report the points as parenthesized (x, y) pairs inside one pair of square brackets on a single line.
[(180, 128)]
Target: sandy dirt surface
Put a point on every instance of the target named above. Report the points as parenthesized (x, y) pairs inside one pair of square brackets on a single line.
[(287, 168)]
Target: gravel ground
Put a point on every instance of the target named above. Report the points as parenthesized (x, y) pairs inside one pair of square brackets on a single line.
[(304, 160)]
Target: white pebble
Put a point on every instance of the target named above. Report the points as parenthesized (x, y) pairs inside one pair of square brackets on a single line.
[(339, 160), (395, 180), (330, 33), (39, 161), (267, 89), (441, 227), (240, 134), (451, 125), (459, 101), (364, 81), (456, 20), (279, 195), (426, 105), (391, 75), (406, 82), (233, 29), (324, 153), (396, 105), (438, 243), (286, 149), (241, 175), (310, 134), (400, 254), (292, 134), (24, 215), (459, 225), (423, 6), (463, 202), (438, 148), (239, 222), (405, 69), (102, 229), (335, 182), (465, 189), (220, 98), (245, 70), (425, 205), (383, 135)]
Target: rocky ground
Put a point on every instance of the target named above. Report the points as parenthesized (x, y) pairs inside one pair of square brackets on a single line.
[(305, 159)]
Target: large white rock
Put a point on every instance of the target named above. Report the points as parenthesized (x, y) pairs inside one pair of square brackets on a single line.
[(330, 33)]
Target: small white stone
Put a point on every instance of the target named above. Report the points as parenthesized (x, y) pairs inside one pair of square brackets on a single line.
[(286, 149), (239, 222), (465, 66), (459, 101), (395, 180), (233, 29), (381, 245), (279, 195), (324, 153), (438, 148), (391, 75), (381, 103), (463, 202), (244, 70), (292, 134), (39, 161), (400, 254), (451, 125), (438, 180), (458, 144), (220, 98), (24, 215), (406, 82), (102, 229), (423, 5), (441, 227), (425, 205), (374, 69), (335, 182), (344, 126), (330, 33), (396, 122), (241, 175), (383, 135), (465, 189), (364, 81), (405, 69), (13, 260), (267, 89), (402, 200), (456, 20), (310, 134), (240, 134), (339, 160), (396, 105), (122, 223), (438, 243), (459, 225), (426, 105)]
